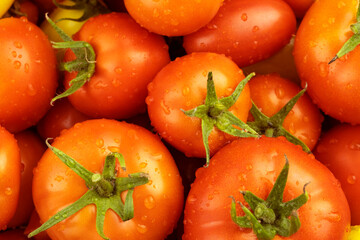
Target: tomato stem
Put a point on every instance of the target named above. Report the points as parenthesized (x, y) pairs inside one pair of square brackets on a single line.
[(104, 192), (215, 113), (271, 216)]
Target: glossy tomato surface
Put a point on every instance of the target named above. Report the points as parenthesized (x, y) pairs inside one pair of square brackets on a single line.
[(28, 78), (246, 31), (271, 92), (333, 87), (127, 59), (181, 85), (338, 149), (172, 17), (157, 205), (9, 176), (253, 164)]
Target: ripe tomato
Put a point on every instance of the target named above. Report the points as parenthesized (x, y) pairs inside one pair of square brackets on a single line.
[(60, 116), (30, 10), (182, 84), (271, 92), (157, 205), (127, 59), (246, 31), (172, 17), (9, 176), (333, 87), (31, 149), (338, 149), (300, 7), (253, 164), (28, 77)]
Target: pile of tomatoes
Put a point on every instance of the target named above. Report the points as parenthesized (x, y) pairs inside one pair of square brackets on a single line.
[(172, 119)]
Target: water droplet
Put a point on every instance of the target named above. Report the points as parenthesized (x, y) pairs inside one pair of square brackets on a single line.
[(31, 91), (349, 86), (143, 165), (311, 21), (99, 142), (249, 167), (185, 91), (323, 69), (351, 179), (8, 191), (255, 28), (244, 17), (17, 64), (149, 100), (331, 20), (174, 22), (64, 215), (354, 146), (149, 202), (100, 84), (292, 128), (141, 228), (164, 107), (59, 178), (114, 149), (56, 217), (333, 217), (14, 54), (280, 92), (191, 199), (341, 4), (26, 67), (17, 44), (70, 163), (116, 82), (118, 70), (210, 197)]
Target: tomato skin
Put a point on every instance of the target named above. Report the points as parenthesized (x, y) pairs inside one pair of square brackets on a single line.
[(338, 150), (271, 92), (127, 58), (253, 164), (246, 31), (9, 176), (157, 205), (60, 116), (29, 75), (334, 88), (182, 85), (31, 149), (173, 17)]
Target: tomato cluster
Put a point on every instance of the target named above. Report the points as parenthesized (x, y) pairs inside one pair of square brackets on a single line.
[(173, 119)]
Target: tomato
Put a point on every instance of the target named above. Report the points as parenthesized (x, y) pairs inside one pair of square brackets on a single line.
[(182, 85), (157, 204), (253, 164), (9, 176), (4, 6), (29, 9), (271, 92), (34, 223), (300, 7), (127, 58), (15, 234), (60, 116), (333, 87), (172, 17), (29, 75), (31, 149), (281, 62), (338, 149), (246, 31)]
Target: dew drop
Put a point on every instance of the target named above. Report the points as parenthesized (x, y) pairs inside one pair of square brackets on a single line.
[(17, 64), (31, 91), (311, 21), (191, 199), (8, 191), (118, 70), (249, 167), (141, 228), (99, 142), (255, 28), (114, 149), (26, 66), (143, 165), (292, 128), (149, 202), (115, 82), (164, 107), (210, 197), (59, 178), (149, 100), (70, 163), (56, 217), (14, 54), (323, 69), (244, 17), (354, 146), (185, 91), (17, 44), (279, 92), (351, 179)]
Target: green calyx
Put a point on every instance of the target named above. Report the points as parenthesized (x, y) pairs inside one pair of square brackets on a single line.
[(90, 9), (215, 113), (104, 191), (84, 64), (350, 44), (273, 126), (271, 216)]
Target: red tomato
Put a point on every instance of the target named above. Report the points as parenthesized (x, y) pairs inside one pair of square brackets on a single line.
[(271, 92), (246, 31), (9, 176), (333, 87), (182, 85), (157, 205), (31, 149), (61, 116), (338, 149), (28, 77), (172, 17), (30, 10), (300, 7), (127, 58), (253, 164)]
